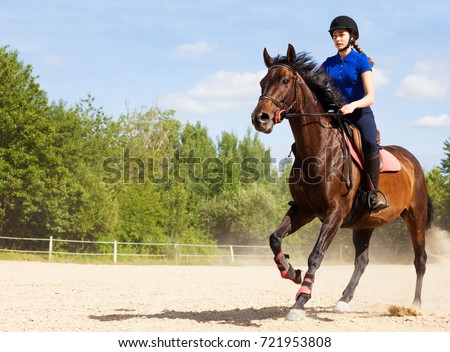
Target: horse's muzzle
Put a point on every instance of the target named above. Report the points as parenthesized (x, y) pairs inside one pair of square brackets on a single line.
[(262, 121)]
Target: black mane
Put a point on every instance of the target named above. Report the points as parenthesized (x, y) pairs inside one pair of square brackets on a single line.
[(316, 78)]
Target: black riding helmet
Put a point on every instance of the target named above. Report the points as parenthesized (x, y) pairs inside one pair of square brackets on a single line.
[(345, 22)]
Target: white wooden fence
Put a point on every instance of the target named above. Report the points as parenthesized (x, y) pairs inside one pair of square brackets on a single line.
[(217, 251), (178, 252)]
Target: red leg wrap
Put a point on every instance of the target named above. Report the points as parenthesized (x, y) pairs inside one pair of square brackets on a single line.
[(306, 285), (286, 269)]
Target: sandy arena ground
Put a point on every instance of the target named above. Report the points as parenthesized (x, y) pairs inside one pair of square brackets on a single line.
[(50, 297)]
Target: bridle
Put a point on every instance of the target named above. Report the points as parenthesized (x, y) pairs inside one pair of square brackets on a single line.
[(282, 112)]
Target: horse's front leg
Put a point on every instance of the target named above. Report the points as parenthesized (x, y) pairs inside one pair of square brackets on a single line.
[(330, 226), (293, 220)]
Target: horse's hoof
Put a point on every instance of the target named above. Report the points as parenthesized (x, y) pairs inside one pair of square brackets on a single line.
[(341, 307), (296, 315), (417, 304)]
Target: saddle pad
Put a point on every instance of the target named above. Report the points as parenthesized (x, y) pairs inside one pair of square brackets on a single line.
[(389, 163)]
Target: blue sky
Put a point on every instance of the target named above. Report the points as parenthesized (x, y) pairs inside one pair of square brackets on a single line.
[(204, 58)]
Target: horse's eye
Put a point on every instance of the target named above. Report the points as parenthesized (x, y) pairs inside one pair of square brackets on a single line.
[(285, 81)]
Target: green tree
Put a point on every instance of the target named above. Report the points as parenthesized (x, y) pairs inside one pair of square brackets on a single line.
[(140, 214), (149, 130), (438, 183), (255, 160), (228, 162), (30, 168), (445, 163), (84, 207), (148, 137), (76, 173), (192, 159), (244, 215)]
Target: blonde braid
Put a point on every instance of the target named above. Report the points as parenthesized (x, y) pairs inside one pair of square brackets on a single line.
[(359, 50)]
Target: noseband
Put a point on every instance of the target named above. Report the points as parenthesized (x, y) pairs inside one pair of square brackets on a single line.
[(281, 113)]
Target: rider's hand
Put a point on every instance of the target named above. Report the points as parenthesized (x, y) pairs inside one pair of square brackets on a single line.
[(347, 109)]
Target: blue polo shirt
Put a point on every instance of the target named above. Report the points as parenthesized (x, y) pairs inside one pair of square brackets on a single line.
[(346, 73)]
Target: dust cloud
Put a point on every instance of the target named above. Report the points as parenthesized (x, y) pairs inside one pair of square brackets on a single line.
[(438, 245)]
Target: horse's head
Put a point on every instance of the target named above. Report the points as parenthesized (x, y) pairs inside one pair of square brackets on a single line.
[(278, 91)]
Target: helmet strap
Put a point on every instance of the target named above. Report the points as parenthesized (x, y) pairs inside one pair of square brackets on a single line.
[(350, 42)]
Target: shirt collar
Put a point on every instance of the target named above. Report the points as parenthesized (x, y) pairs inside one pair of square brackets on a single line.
[(349, 55)]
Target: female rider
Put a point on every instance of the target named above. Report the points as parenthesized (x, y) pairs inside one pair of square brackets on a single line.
[(351, 71)]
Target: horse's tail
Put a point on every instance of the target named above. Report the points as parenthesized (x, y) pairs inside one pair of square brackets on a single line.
[(430, 212)]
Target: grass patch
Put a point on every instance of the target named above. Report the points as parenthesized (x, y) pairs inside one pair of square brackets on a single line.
[(133, 260)]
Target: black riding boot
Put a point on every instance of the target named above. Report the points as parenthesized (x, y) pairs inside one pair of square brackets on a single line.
[(372, 167)]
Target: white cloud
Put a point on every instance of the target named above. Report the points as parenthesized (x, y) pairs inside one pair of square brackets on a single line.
[(434, 121), (220, 91), (193, 51), (52, 60), (380, 78), (430, 80), (228, 90)]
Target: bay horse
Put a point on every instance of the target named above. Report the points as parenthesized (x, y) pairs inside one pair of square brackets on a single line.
[(297, 89)]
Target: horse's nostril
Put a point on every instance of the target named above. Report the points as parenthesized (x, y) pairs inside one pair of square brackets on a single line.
[(263, 117), (260, 118)]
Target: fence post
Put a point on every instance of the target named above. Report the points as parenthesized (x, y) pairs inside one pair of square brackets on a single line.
[(232, 253), (50, 248), (115, 252), (177, 252)]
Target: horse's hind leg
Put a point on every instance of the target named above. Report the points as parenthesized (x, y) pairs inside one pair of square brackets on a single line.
[(416, 223), (293, 220), (361, 240)]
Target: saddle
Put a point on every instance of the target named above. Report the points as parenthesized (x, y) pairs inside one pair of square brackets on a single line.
[(388, 162)]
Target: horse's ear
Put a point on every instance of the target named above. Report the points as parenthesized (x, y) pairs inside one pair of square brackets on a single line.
[(267, 58), (291, 54)]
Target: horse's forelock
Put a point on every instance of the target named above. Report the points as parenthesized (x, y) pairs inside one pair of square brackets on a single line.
[(315, 77)]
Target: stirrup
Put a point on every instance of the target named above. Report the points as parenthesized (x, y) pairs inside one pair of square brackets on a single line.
[(380, 205)]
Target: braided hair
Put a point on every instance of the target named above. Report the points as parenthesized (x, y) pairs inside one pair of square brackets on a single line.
[(359, 50)]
